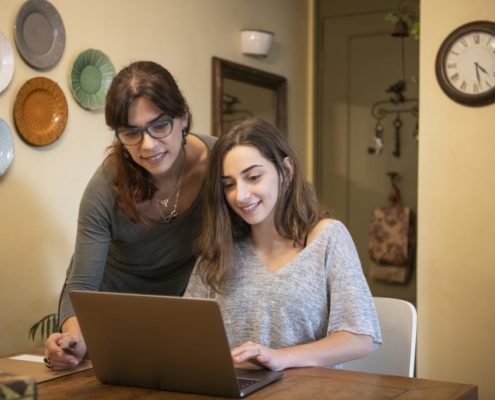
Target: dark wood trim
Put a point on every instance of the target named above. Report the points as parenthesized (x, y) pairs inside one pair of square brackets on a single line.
[(228, 69)]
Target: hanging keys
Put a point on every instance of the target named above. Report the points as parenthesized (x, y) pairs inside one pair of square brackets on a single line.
[(397, 126), (378, 140)]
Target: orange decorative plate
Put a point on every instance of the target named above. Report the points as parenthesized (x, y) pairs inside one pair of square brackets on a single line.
[(40, 111)]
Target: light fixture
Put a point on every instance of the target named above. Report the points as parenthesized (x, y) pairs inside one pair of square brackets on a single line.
[(401, 29), (256, 42), (405, 19)]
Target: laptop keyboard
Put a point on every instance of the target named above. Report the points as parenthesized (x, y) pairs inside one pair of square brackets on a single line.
[(244, 383)]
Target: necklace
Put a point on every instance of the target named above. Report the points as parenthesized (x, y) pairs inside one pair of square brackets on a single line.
[(173, 214)]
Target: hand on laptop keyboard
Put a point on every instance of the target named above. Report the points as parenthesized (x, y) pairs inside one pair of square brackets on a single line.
[(258, 355)]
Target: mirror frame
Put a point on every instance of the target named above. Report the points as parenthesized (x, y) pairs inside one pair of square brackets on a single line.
[(238, 72)]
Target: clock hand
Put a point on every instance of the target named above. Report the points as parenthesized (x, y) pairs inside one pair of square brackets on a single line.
[(476, 66), (480, 67)]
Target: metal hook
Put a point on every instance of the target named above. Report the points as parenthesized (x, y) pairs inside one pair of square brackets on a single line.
[(394, 196)]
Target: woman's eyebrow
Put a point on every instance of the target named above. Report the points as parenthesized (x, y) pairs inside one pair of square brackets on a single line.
[(245, 170), (150, 122)]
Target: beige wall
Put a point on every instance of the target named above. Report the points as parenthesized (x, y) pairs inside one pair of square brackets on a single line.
[(456, 251), (39, 195)]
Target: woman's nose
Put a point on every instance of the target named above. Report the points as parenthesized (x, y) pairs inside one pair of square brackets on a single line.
[(148, 141), (242, 192)]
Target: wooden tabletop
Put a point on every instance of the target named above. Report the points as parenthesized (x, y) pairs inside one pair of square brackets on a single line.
[(300, 383)]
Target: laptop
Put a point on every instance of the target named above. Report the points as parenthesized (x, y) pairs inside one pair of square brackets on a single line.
[(162, 342)]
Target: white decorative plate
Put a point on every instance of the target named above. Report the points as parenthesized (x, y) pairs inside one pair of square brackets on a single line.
[(6, 62)]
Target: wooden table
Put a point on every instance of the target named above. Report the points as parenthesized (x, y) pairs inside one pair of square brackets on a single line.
[(301, 383)]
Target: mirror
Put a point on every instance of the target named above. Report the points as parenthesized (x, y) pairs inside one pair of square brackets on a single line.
[(240, 92)]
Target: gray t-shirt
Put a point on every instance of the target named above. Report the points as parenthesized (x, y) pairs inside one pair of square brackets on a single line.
[(320, 291), (115, 254)]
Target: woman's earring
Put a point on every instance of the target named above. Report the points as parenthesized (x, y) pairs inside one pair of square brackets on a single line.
[(184, 141)]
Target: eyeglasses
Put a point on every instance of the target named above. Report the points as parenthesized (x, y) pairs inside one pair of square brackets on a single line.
[(159, 129)]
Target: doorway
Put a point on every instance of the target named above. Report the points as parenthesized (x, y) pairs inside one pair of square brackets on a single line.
[(357, 62)]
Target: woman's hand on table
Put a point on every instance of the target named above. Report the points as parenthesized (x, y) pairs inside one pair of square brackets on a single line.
[(64, 350)]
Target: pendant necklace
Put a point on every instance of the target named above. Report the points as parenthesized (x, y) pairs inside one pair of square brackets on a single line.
[(173, 214)]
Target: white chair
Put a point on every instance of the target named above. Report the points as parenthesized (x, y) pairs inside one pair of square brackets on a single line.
[(398, 322)]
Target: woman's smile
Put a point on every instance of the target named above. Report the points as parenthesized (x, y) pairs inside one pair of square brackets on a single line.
[(155, 158), (251, 208)]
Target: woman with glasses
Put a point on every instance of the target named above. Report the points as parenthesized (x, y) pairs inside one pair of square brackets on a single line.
[(140, 212), (287, 278)]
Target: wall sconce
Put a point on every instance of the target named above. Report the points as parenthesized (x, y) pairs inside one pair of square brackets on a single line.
[(256, 42)]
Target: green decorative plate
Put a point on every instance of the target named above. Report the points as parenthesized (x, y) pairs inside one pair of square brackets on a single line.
[(90, 79)]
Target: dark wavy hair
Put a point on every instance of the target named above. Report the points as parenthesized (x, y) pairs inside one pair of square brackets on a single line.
[(297, 210), (148, 79)]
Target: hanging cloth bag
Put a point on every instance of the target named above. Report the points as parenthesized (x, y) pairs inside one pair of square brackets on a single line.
[(392, 241)]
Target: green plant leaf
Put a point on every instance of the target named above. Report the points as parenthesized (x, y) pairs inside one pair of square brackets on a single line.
[(415, 30), (46, 326), (393, 16), (32, 331)]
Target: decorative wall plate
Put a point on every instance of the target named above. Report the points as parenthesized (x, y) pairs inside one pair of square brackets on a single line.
[(39, 34), (91, 76), (6, 62), (6, 147), (40, 111)]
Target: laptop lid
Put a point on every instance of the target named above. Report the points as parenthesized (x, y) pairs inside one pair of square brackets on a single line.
[(161, 342)]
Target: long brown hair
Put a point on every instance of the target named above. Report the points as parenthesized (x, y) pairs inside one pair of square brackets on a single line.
[(297, 211), (132, 182)]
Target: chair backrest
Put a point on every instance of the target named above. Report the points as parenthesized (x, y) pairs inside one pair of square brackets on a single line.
[(398, 322)]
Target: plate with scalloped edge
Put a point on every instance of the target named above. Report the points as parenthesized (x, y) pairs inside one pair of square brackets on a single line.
[(91, 76), (7, 62), (6, 147), (40, 111)]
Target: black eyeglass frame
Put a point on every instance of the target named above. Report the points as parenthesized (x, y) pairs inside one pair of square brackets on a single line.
[(158, 120)]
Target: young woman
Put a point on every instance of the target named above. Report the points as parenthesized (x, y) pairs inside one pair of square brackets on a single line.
[(288, 280), (139, 214)]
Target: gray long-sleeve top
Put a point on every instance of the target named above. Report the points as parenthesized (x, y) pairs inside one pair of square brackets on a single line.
[(114, 254)]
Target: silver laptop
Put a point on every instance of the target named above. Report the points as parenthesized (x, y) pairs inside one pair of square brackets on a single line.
[(161, 342)]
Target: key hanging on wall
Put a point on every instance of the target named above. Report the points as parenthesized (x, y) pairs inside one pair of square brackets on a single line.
[(395, 105), (378, 139), (397, 126)]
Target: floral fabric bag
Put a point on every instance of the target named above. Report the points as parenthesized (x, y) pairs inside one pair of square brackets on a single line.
[(392, 243)]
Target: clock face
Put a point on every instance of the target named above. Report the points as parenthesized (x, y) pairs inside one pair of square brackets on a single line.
[(470, 63), (466, 64)]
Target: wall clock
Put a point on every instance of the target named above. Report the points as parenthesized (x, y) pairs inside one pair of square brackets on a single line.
[(465, 64)]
